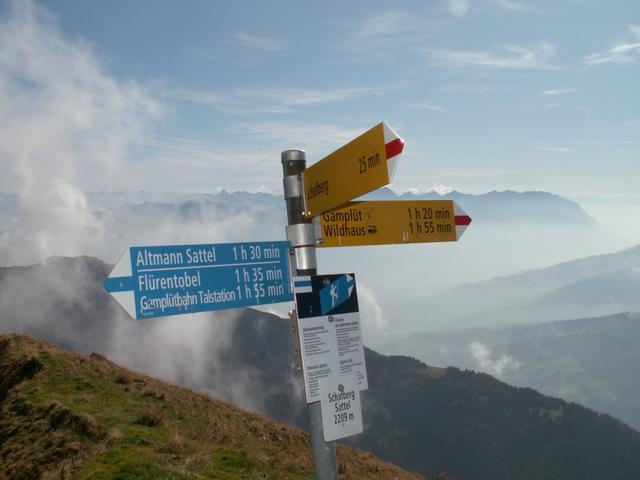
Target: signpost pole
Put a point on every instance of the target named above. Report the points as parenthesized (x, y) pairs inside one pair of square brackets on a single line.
[(300, 232)]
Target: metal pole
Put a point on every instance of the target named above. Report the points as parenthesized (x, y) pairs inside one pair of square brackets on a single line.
[(301, 235)]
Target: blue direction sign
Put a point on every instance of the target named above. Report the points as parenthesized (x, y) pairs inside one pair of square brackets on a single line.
[(172, 280)]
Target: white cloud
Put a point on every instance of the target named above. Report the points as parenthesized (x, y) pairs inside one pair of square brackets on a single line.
[(173, 159), (304, 96), (387, 24), (248, 161), (440, 189), (559, 91), (228, 103), (429, 106), (482, 89), (312, 137), (487, 364), (254, 42), (621, 53), (513, 5), (249, 101), (371, 311), (63, 122), (202, 97), (555, 149), (537, 57), (459, 8)]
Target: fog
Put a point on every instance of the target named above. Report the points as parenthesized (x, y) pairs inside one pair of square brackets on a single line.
[(65, 123), (616, 214), (64, 119), (408, 280), (402, 288)]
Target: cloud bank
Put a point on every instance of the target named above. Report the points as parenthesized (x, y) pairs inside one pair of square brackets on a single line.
[(63, 121)]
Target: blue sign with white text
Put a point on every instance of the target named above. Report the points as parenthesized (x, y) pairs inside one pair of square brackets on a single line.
[(320, 295), (171, 280), (336, 293)]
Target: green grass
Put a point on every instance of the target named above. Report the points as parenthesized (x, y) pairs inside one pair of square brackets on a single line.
[(87, 418), (125, 462)]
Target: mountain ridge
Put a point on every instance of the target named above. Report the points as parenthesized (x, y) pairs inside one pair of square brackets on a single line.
[(86, 417), (425, 418), (494, 206), (584, 360), (542, 294), (506, 205)]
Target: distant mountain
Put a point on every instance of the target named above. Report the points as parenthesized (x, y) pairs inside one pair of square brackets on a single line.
[(423, 418), (65, 415), (505, 206), (190, 212), (429, 419), (591, 361), (483, 429), (595, 285), (508, 234), (118, 199), (567, 272), (619, 290)]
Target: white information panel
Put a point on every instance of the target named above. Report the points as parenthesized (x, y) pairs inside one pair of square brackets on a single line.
[(329, 331), (340, 404)]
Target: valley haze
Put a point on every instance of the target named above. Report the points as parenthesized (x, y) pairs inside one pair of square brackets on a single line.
[(144, 123), (511, 232)]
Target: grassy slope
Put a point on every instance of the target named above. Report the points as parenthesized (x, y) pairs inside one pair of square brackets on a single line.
[(65, 415)]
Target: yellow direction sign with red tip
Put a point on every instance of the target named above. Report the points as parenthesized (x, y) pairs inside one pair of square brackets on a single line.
[(361, 166), (392, 222)]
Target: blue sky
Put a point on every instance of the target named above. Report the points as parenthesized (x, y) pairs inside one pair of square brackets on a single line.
[(203, 95)]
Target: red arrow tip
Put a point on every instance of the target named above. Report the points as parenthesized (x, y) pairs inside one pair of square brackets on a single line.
[(394, 148), (463, 220)]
